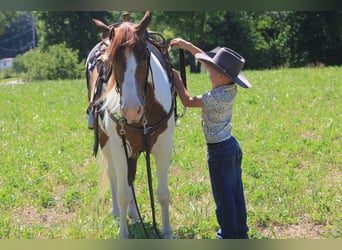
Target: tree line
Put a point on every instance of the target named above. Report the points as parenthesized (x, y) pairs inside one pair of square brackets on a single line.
[(267, 39)]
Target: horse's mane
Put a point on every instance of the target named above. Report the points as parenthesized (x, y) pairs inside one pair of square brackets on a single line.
[(124, 37)]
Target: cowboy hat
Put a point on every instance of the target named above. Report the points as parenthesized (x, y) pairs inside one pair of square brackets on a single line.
[(227, 62)]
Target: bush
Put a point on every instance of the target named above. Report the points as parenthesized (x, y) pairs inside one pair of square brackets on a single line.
[(6, 73), (56, 62)]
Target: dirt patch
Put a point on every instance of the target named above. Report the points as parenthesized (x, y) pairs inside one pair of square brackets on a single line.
[(302, 231), (13, 82), (46, 218)]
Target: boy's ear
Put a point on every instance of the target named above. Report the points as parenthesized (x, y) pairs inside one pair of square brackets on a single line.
[(230, 80)]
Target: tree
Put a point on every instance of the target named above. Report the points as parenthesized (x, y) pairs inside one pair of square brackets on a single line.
[(56, 62), (76, 29), (5, 19), (265, 38), (315, 38), (190, 25), (20, 35), (268, 35)]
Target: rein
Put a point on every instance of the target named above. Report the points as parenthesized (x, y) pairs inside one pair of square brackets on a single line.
[(94, 105), (183, 76)]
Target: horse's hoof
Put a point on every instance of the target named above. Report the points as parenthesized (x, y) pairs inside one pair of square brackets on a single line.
[(133, 214), (123, 234), (116, 212), (168, 236), (135, 220)]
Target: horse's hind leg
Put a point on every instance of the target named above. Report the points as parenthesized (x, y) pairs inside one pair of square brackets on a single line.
[(111, 172), (132, 211)]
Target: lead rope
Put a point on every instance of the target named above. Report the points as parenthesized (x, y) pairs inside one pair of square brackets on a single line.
[(147, 150), (148, 167), (149, 176), (183, 76), (130, 182)]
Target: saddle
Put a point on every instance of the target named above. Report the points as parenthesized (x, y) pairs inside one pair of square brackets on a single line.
[(159, 49)]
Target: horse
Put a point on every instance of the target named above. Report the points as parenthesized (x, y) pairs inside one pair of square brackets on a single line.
[(96, 89), (134, 114)]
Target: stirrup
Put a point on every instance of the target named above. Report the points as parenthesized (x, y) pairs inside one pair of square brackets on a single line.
[(91, 121)]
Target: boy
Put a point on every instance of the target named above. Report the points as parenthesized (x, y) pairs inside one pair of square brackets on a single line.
[(223, 150)]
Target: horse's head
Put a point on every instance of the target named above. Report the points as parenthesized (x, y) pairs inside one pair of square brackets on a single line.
[(129, 59)]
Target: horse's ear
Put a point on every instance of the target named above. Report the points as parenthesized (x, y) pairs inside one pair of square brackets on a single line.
[(142, 26), (101, 26), (107, 31)]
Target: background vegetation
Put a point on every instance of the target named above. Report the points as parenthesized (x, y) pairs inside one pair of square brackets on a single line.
[(288, 125), (55, 62), (267, 39)]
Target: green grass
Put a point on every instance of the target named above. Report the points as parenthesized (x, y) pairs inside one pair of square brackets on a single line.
[(288, 124)]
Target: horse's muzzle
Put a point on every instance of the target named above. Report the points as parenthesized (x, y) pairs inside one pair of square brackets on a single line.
[(132, 114)]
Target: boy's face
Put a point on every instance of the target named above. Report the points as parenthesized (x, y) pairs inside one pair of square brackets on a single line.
[(217, 78)]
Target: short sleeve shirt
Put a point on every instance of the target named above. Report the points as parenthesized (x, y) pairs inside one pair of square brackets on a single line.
[(217, 113)]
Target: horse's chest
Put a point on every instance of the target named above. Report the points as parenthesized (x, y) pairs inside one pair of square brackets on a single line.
[(139, 138), (137, 141)]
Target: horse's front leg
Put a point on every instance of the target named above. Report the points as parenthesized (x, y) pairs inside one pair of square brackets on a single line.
[(163, 158), (123, 200), (123, 191)]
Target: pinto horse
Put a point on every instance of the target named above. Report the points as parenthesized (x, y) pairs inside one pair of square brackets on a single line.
[(136, 115)]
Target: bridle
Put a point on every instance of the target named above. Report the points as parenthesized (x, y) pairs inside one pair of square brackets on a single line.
[(120, 120), (148, 70)]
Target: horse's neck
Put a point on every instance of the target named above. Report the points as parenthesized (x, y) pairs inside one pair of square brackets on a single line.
[(159, 79), (160, 52)]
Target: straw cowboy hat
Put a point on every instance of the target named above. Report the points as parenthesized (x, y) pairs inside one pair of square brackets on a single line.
[(228, 62)]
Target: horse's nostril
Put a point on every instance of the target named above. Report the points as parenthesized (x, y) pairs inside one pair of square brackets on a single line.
[(139, 110), (123, 111)]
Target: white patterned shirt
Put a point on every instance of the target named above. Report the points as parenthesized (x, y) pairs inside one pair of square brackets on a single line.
[(217, 113)]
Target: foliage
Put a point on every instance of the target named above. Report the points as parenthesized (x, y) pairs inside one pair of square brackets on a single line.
[(6, 73), (74, 28), (56, 62), (288, 125), (267, 39), (5, 19), (267, 33), (314, 38), (19, 35)]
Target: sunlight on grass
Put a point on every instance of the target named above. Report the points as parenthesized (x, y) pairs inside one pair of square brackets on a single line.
[(288, 124)]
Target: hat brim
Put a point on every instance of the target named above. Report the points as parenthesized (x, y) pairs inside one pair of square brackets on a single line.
[(208, 58)]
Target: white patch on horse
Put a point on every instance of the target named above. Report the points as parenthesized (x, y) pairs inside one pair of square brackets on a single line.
[(112, 101), (162, 92), (131, 104)]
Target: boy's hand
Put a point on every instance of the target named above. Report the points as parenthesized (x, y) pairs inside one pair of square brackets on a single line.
[(179, 43)]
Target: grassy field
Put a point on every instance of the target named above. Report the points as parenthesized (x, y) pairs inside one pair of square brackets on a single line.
[(288, 124)]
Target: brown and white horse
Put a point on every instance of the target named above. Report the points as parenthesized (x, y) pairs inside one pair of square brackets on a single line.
[(137, 101)]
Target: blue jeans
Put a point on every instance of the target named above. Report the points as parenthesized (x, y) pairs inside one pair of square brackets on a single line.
[(224, 161)]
